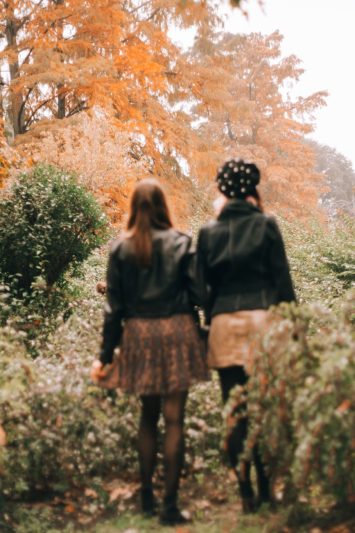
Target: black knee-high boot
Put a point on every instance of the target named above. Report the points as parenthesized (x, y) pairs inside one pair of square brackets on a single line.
[(229, 378), (262, 478)]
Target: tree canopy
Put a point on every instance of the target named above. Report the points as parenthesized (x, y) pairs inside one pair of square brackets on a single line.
[(339, 177), (244, 108), (183, 111)]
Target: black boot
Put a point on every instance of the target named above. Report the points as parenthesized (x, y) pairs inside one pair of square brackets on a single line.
[(246, 491), (249, 505), (148, 502), (171, 514), (263, 480)]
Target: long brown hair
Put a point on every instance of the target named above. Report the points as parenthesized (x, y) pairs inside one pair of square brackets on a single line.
[(149, 209)]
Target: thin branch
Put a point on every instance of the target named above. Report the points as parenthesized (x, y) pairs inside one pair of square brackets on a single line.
[(27, 17), (140, 7), (153, 14), (51, 26), (77, 109), (23, 107), (45, 102)]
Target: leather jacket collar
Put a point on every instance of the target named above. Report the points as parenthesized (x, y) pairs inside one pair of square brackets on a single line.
[(237, 207)]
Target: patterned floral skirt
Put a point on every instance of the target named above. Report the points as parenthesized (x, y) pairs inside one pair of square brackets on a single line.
[(161, 355)]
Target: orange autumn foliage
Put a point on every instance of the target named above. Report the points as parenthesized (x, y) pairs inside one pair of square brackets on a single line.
[(245, 111), (65, 57), (4, 161), (109, 162), (175, 115)]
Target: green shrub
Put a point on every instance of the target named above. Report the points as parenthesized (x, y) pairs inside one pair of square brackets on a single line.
[(48, 223), (60, 429), (322, 260), (64, 432), (301, 400)]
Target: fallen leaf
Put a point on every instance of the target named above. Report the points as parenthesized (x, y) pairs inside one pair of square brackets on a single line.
[(115, 483), (202, 504), (344, 406), (231, 475), (219, 497), (69, 508), (121, 493), (84, 520), (90, 493), (198, 464), (3, 439)]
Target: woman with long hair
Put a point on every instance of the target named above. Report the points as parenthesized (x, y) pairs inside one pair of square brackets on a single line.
[(242, 263), (151, 295)]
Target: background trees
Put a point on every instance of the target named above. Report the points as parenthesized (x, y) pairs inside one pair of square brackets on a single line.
[(178, 114), (339, 178), (245, 109), (63, 57)]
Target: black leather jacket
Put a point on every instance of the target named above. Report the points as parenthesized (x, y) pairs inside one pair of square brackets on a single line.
[(166, 288), (242, 261)]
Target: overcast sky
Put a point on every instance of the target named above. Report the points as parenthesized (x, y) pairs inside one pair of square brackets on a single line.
[(322, 34)]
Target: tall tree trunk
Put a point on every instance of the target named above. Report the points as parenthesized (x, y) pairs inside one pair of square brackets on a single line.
[(61, 112), (16, 112)]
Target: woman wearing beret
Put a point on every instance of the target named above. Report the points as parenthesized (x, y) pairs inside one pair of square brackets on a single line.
[(242, 263), (152, 288)]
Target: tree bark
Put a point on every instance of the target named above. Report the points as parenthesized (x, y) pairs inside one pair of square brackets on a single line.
[(61, 103), (16, 113)]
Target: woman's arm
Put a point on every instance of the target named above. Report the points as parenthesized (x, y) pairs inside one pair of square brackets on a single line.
[(280, 270), (190, 274), (112, 329), (202, 275)]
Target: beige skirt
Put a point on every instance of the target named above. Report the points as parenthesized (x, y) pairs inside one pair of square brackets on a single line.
[(235, 337)]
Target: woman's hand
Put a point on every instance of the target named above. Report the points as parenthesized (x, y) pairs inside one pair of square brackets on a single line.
[(98, 371), (101, 287)]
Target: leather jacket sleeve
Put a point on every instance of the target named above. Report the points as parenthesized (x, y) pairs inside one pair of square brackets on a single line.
[(191, 278), (279, 266), (204, 287), (112, 329)]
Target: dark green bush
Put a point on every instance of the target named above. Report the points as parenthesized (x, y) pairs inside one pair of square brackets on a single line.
[(60, 429), (64, 432), (48, 223)]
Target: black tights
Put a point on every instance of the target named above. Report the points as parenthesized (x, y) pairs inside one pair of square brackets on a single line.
[(173, 408), (229, 378)]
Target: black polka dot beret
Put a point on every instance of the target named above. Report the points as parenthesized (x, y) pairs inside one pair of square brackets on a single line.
[(237, 179)]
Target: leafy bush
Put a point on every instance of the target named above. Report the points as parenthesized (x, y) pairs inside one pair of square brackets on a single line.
[(64, 432), (48, 223), (322, 260), (300, 400), (60, 430)]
